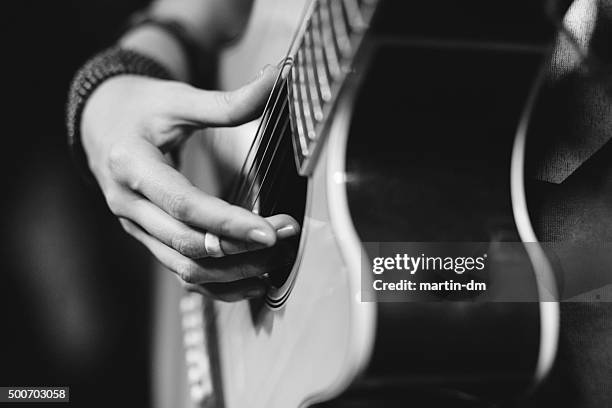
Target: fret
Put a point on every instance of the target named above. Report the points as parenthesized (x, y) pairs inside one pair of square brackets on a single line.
[(267, 150), (329, 47), (281, 149), (297, 122), (343, 43), (314, 90), (320, 60), (304, 96)]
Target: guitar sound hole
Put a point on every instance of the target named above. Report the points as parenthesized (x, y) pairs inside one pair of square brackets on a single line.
[(279, 277), (284, 192)]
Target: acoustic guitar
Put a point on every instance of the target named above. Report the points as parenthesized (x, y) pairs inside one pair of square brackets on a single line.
[(392, 121)]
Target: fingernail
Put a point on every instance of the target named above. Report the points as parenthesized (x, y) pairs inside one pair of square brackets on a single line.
[(260, 237), (286, 232)]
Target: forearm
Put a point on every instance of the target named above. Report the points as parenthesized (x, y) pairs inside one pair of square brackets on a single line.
[(213, 23), (209, 23)]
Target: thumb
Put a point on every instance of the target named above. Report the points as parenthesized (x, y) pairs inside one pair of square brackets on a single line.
[(229, 108)]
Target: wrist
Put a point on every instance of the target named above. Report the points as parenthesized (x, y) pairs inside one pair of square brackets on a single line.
[(97, 113), (105, 65)]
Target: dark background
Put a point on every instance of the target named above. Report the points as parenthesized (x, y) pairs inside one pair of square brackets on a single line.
[(74, 292)]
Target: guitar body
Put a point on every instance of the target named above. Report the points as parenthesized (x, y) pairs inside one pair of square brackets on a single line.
[(259, 345), (381, 170)]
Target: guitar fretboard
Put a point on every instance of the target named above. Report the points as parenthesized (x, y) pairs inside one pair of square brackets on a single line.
[(321, 62)]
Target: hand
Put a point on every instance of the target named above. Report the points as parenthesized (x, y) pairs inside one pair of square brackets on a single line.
[(128, 125)]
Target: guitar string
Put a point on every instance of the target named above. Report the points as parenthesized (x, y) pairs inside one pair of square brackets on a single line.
[(288, 61), (262, 159), (259, 137), (253, 151), (261, 184), (262, 198), (237, 185), (254, 178), (261, 132), (231, 314), (250, 177)]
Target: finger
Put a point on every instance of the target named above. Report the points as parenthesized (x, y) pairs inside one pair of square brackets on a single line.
[(168, 189), (191, 242), (246, 265), (210, 270), (186, 269), (284, 225), (216, 108), (232, 291), (185, 240)]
